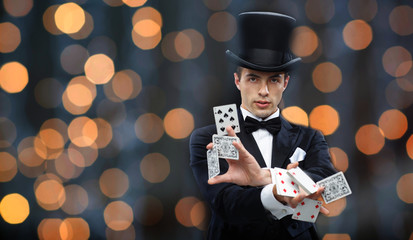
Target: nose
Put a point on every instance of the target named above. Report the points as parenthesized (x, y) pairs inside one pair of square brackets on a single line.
[(264, 90)]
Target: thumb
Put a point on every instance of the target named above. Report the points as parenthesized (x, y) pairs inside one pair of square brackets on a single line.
[(292, 165), (219, 179)]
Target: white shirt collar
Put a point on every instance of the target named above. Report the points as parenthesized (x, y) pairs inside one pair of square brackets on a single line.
[(246, 113)]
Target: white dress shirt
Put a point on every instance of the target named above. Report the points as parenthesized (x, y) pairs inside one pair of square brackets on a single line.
[(264, 140)]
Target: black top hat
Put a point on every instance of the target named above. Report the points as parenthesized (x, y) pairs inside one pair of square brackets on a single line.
[(264, 42)]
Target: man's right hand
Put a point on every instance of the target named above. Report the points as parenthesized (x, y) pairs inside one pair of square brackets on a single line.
[(245, 171)]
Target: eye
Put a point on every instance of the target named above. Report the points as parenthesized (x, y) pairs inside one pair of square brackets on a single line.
[(275, 80), (253, 79)]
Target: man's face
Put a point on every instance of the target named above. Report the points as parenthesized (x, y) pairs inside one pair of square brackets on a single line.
[(261, 92)]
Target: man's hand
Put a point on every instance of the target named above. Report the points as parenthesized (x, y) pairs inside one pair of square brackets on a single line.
[(245, 171), (294, 201)]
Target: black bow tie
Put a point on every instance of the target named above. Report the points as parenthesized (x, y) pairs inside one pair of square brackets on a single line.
[(272, 125)]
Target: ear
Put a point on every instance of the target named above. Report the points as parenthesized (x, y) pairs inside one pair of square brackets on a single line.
[(237, 80), (286, 80)]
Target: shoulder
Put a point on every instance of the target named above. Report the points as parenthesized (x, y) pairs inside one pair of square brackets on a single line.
[(203, 134)]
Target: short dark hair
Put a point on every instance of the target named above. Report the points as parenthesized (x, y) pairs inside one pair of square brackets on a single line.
[(239, 71)]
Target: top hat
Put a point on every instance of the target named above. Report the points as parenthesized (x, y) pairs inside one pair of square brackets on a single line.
[(264, 42)]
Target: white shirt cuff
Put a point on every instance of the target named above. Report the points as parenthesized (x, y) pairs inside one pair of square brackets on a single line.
[(277, 209)]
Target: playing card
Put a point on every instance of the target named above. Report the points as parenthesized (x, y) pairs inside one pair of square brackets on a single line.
[(305, 182), (307, 210), (335, 187), (213, 163), (224, 147), (285, 185), (226, 115)]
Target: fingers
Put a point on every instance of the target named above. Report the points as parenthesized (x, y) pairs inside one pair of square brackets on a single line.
[(210, 145), (324, 210), (317, 194), (230, 131), (292, 165)]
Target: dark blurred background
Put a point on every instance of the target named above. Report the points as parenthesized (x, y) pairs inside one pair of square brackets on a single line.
[(98, 99)]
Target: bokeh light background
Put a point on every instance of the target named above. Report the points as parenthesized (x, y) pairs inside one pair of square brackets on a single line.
[(98, 99)]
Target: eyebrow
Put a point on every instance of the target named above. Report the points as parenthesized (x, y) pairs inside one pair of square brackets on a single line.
[(257, 76), (252, 75)]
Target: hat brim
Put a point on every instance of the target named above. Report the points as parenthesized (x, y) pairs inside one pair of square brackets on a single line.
[(243, 63)]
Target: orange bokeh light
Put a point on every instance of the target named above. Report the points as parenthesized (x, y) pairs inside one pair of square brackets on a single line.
[(114, 183), (295, 115), (404, 188), (134, 3), (13, 77), (73, 58), (409, 147), (118, 215), (155, 167), (369, 139), (168, 47), (99, 69), (48, 229), (324, 118), (357, 34), (179, 123), (77, 199), (183, 210), (10, 37), (18, 8), (336, 208), (69, 17), (74, 229), (336, 236), (49, 22), (320, 11), (327, 77), (83, 131), (149, 128), (393, 123), (339, 159), (50, 194), (400, 20), (14, 208), (222, 26), (365, 10), (305, 41), (198, 215), (397, 61), (189, 44), (147, 24), (147, 28), (8, 167)]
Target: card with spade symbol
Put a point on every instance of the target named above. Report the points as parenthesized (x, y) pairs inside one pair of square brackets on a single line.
[(226, 115)]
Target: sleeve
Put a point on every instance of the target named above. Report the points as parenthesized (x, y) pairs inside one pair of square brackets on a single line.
[(277, 209), (237, 204)]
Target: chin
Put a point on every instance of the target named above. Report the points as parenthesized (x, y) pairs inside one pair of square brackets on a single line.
[(262, 114)]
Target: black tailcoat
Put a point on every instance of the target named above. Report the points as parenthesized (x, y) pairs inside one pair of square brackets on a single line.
[(237, 211)]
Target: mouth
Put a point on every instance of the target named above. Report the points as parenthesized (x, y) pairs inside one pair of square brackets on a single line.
[(262, 103)]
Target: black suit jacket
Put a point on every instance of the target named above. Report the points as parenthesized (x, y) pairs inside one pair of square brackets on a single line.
[(237, 211)]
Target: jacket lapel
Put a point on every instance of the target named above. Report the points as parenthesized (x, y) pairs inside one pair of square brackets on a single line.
[(249, 142), (283, 143)]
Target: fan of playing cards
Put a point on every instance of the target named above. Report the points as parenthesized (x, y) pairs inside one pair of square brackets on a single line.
[(225, 115), (288, 182)]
